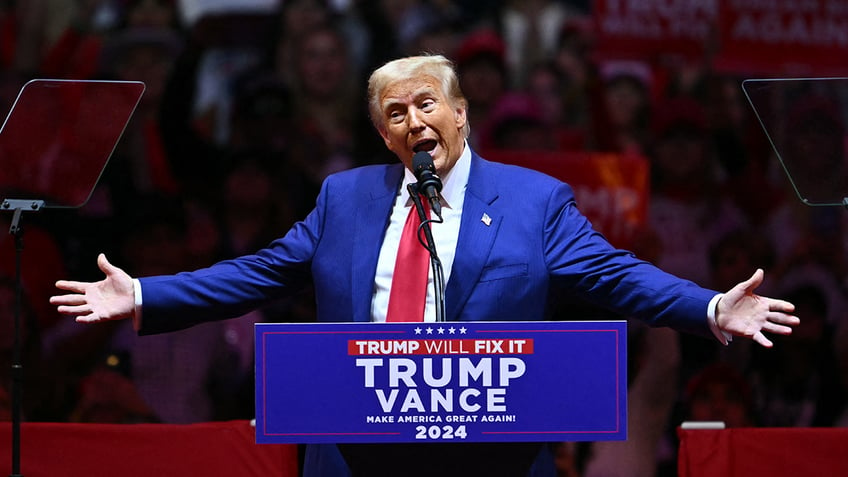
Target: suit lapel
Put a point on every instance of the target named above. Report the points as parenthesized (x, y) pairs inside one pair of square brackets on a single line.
[(375, 208), (479, 225)]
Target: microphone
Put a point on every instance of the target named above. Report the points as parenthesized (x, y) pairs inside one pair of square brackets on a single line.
[(429, 183)]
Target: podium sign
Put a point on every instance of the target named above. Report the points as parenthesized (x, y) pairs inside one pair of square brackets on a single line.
[(441, 382)]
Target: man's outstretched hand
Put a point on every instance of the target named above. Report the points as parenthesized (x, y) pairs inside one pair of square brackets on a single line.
[(741, 312), (90, 302)]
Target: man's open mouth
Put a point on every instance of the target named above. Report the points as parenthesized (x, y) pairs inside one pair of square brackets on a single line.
[(427, 146)]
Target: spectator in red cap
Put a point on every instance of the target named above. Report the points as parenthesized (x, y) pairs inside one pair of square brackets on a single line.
[(627, 86), (481, 67), (516, 122)]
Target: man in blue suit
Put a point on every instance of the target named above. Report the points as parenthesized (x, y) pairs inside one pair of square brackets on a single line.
[(509, 235)]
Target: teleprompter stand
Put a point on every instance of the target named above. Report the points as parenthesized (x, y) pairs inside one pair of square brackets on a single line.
[(54, 145), (16, 229)]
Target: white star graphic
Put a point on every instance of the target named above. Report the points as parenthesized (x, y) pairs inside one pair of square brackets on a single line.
[(417, 330), (429, 330), (441, 330), (451, 330), (463, 330)]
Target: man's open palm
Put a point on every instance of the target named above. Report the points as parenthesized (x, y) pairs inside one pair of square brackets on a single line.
[(109, 299), (741, 312)]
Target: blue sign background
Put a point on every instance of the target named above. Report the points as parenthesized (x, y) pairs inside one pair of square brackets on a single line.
[(310, 390)]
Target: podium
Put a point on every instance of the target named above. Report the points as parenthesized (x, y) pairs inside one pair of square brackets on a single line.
[(496, 389)]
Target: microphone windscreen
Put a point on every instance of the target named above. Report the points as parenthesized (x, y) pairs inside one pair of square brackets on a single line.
[(422, 161)]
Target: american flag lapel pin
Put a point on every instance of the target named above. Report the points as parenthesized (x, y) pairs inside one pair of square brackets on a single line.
[(486, 219)]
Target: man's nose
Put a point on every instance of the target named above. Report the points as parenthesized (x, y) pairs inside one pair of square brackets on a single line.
[(415, 119)]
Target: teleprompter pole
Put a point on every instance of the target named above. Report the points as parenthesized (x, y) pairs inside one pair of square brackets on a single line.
[(17, 207)]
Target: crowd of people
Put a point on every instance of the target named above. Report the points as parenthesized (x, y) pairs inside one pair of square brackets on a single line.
[(246, 112)]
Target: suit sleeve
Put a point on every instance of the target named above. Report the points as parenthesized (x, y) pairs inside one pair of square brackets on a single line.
[(234, 287), (582, 260)]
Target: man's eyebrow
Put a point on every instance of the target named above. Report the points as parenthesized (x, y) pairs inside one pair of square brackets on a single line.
[(390, 103), (417, 94)]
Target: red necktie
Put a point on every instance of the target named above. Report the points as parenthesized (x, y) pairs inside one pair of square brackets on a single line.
[(409, 281)]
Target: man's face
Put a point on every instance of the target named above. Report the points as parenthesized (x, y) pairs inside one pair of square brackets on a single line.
[(417, 116)]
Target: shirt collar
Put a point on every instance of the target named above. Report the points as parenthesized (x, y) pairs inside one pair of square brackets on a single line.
[(453, 183)]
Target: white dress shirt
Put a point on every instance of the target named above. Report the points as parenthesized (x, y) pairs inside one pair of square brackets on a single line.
[(445, 236)]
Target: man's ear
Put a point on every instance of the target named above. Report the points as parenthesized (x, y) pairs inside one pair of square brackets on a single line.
[(460, 116)]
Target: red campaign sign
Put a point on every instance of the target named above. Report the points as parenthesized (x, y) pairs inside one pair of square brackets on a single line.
[(783, 37), (647, 29), (367, 347), (610, 189)]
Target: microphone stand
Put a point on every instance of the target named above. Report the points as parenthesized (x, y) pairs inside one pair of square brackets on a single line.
[(430, 245)]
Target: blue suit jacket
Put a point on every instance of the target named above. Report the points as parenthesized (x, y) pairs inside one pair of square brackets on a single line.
[(502, 270)]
